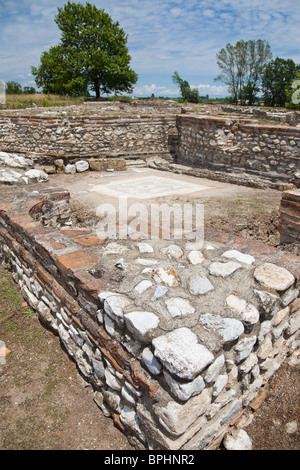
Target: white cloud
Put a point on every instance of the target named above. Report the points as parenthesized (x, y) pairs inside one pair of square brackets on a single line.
[(164, 35), (211, 90)]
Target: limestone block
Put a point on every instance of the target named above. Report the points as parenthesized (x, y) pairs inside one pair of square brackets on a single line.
[(198, 284), (114, 306), (38, 176), (246, 312), (150, 361), (172, 251), (184, 390), (237, 439), (70, 168), (223, 269), (82, 166), (176, 418), (145, 248), (243, 258), (274, 277), (229, 328), (167, 276), (181, 354), (195, 257), (141, 323), (214, 369), (179, 307)]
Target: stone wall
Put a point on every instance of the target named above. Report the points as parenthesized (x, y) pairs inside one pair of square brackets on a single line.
[(237, 145), (55, 137), (175, 340)]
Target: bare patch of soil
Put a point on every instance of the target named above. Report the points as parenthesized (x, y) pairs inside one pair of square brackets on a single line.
[(44, 402)]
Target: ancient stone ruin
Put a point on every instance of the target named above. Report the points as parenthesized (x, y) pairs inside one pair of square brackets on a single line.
[(177, 337)]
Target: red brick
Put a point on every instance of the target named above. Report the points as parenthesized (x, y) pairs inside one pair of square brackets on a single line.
[(75, 233), (89, 240), (43, 275), (77, 259), (65, 298), (143, 379), (89, 284)]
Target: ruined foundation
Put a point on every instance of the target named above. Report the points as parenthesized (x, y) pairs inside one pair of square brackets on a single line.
[(176, 338), (176, 342)]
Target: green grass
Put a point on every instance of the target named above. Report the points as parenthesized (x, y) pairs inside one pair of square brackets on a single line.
[(41, 100)]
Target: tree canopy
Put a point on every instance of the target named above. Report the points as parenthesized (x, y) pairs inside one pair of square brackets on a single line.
[(276, 81), (242, 66), (92, 54), (188, 94)]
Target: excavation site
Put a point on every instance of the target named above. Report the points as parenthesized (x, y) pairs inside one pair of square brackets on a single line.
[(160, 242)]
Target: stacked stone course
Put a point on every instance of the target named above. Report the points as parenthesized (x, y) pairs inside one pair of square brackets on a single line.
[(77, 137), (231, 144), (176, 339)]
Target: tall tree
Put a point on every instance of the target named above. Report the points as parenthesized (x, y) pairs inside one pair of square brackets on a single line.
[(92, 53), (242, 67), (276, 81), (187, 93), (13, 88)]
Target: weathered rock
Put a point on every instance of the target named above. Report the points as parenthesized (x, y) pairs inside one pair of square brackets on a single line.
[(238, 439), (176, 418), (229, 328), (145, 248), (143, 286), (242, 257), (199, 284), (184, 390), (223, 269), (70, 169), (141, 323), (172, 251), (179, 307), (274, 277), (214, 369), (159, 292), (38, 176), (181, 354), (167, 276), (82, 166), (246, 312), (195, 257), (150, 361), (114, 306), (14, 161)]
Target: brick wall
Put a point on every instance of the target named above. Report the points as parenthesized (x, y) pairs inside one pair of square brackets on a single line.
[(289, 220)]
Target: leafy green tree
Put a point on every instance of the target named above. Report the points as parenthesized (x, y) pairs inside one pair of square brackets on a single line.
[(187, 94), (13, 88), (92, 54), (293, 94), (29, 90), (242, 66), (276, 81)]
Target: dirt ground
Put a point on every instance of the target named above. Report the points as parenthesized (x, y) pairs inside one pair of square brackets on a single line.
[(45, 404)]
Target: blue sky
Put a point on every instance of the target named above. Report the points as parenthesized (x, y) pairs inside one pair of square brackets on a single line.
[(164, 36)]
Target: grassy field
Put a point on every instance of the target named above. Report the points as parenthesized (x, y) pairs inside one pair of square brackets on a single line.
[(40, 100)]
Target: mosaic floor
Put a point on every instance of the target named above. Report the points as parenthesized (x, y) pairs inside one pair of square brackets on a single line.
[(148, 187)]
